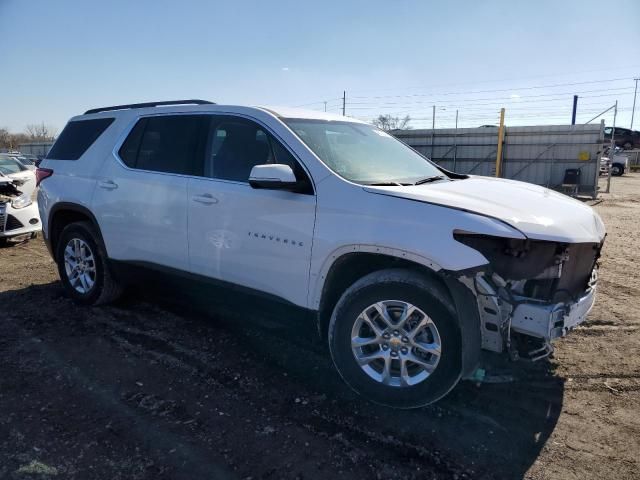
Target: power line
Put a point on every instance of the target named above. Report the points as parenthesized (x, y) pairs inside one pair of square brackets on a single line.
[(472, 102), (500, 89), (512, 79), (517, 97)]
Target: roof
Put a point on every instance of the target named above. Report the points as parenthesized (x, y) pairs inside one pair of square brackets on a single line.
[(203, 106), (290, 112)]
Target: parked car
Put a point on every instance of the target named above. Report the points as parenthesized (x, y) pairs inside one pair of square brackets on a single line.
[(408, 270), (618, 165), (28, 159), (624, 137), (19, 215), (24, 177)]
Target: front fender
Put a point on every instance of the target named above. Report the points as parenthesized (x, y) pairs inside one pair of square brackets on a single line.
[(318, 279)]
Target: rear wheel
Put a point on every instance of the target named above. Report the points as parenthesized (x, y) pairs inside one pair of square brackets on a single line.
[(395, 340), (82, 265)]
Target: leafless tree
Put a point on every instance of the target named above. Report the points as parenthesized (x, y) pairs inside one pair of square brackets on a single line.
[(388, 122), (5, 137), (40, 131), (10, 141)]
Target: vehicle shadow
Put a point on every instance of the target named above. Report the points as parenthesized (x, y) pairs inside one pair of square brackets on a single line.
[(490, 429), (494, 428)]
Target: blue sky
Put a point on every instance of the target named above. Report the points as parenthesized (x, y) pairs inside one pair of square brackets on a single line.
[(62, 57)]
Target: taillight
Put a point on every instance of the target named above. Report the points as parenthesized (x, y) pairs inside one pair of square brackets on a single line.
[(42, 173)]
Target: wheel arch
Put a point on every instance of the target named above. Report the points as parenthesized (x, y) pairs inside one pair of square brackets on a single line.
[(347, 267), (61, 215)]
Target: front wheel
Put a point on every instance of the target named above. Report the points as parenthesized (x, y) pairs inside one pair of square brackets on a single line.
[(395, 339)]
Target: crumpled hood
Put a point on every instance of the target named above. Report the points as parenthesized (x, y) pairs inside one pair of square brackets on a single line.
[(539, 213)]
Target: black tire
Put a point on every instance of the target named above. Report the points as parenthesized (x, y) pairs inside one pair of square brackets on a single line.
[(627, 146), (414, 288), (105, 288), (617, 170)]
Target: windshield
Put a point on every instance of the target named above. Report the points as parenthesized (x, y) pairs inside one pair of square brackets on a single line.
[(362, 153), (9, 165)]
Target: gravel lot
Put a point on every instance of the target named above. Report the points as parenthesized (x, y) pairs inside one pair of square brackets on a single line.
[(154, 390)]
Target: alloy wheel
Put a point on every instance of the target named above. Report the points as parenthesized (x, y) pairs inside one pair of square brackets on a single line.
[(396, 343), (80, 265)]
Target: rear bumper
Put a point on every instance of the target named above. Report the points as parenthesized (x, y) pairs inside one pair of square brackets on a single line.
[(47, 242)]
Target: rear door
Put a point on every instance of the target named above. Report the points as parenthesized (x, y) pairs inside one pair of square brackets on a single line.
[(141, 197), (259, 239)]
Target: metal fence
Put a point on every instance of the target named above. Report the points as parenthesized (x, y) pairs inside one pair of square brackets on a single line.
[(39, 149), (534, 154)]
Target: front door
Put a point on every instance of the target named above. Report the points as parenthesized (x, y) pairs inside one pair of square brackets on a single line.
[(256, 238)]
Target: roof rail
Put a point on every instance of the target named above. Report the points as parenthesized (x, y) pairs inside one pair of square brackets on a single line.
[(149, 104)]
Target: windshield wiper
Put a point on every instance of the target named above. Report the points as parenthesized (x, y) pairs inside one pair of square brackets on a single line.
[(387, 184), (433, 178)]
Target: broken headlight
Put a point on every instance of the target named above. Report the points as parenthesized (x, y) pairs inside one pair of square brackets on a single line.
[(511, 258), (550, 271), (21, 202)]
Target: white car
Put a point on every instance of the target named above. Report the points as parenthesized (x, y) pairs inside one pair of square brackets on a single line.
[(408, 270), (19, 214), (24, 176), (618, 166)]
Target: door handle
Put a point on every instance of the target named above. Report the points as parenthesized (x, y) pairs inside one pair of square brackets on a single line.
[(205, 198), (108, 184)]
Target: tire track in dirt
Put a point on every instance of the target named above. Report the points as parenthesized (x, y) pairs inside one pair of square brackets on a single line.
[(319, 423), (193, 462)]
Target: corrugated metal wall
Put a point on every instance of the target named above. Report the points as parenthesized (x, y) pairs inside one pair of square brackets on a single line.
[(35, 148), (535, 154)]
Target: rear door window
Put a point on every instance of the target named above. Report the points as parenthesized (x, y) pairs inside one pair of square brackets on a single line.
[(167, 143), (77, 137)]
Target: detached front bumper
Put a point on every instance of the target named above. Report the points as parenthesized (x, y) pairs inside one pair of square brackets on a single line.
[(523, 326), (551, 321)]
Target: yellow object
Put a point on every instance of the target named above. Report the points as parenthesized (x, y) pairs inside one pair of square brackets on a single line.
[(584, 156), (500, 140)]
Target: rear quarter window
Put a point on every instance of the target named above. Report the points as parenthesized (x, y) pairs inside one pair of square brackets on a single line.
[(77, 137)]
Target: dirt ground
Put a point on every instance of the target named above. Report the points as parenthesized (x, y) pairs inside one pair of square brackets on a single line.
[(154, 390)]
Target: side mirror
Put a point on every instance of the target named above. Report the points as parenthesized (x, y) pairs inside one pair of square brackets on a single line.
[(273, 176)]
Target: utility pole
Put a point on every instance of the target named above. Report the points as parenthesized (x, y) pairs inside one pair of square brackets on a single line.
[(325, 106), (433, 128), (500, 141), (344, 102), (633, 110), (575, 108), (612, 147), (455, 144)]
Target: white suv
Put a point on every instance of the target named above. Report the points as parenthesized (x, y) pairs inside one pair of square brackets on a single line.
[(409, 270)]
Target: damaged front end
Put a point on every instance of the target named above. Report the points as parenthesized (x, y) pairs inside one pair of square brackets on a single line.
[(531, 291), (8, 189)]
